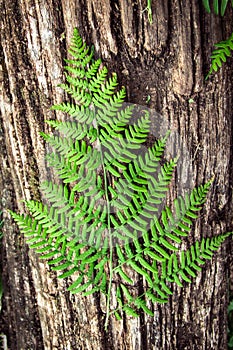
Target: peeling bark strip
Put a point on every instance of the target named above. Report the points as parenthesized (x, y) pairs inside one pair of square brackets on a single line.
[(166, 61)]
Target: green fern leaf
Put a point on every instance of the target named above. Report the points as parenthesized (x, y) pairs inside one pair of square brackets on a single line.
[(223, 6), (206, 5), (220, 54), (130, 312), (74, 285), (81, 288), (61, 266), (103, 224), (124, 276), (155, 299), (142, 304)]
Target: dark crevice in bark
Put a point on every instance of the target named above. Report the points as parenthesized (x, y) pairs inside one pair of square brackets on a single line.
[(19, 34), (124, 319), (205, 53), (115, 24), (170, 32), (6, 189), (81, 12), (59, 22), (106, 337), (136, 20), (229, 216), (7, 322), (198, 133), (5, 76), (193, 50), (35, 102)]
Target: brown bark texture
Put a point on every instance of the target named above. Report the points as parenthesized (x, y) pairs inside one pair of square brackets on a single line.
[(163, 66)]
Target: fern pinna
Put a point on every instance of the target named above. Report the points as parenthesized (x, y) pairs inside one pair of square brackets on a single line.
[(224, 48), (102, 225), (219, 7), (220, 53)]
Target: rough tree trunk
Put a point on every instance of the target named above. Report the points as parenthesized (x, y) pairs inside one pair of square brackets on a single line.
[(166, 61)]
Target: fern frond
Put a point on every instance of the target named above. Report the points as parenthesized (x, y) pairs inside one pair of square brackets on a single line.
[(60, 259), (185, 210), (172, 271), (158, 245), (77, 164), (190, 260), (104, 224), (79, 50), (220, 54)]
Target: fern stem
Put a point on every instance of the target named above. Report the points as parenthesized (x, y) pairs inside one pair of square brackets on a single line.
[(109, 232)]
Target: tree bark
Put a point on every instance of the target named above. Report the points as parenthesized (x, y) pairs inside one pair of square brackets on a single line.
[(166, 61)]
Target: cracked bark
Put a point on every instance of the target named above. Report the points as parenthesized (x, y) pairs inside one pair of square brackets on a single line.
[(166, 61)]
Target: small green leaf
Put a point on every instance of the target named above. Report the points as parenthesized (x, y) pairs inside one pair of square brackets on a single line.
[(140, 303), (68, 273), (166, 288), (167, 245), (184, 277), (145, 264), (177, 281), (126, 293), (118, 316), (80, 289), (159, 292), (48, 255), (206, 5), (155, 299), (160, 250), (153, 255), (216, 7), (130, 312), (61, 267), (124, 276)]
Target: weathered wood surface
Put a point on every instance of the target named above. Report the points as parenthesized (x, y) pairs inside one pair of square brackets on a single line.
[(166, 61)]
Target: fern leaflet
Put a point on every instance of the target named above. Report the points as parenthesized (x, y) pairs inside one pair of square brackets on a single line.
[(216, 7), (220, 54)]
